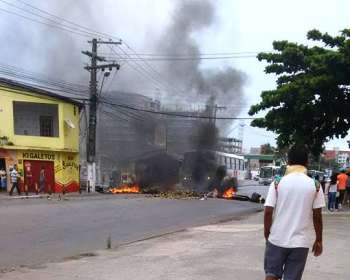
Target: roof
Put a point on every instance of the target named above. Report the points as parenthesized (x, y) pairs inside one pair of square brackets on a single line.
[(260, 157), (21, 86)]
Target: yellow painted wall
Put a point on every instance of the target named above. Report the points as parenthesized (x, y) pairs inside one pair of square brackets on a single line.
[(68, 139)]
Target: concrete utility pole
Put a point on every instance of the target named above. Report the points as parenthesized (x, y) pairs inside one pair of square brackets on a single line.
[(213, 109), (91, 139)]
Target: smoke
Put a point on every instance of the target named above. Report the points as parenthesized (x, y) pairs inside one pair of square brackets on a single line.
[(224, 85), (58, 54)]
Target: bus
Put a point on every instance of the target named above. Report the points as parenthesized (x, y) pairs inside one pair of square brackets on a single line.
[(201, 166), (235, 164), (268, 174)]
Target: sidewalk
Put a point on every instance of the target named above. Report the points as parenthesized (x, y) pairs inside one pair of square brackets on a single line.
[(69, 196), (231, 250)]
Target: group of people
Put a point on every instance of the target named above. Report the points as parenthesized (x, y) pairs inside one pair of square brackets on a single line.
[(15, 178), (338, 191)]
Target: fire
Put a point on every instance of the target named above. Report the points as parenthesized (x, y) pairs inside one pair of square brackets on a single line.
[(125, 189), (229, 193)]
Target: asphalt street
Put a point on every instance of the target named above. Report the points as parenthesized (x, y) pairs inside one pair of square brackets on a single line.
[(40, 231), (248, 187)]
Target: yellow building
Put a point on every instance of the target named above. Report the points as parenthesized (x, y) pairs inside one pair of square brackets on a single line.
[(39, 131)]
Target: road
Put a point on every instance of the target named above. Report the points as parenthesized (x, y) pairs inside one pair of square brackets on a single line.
[(248, 187), (39, 231)]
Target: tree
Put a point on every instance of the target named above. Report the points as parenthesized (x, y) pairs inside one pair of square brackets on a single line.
[(311, 103), (267, 149)]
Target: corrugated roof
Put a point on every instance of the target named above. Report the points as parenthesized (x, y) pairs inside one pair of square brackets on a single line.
[(18, 85)]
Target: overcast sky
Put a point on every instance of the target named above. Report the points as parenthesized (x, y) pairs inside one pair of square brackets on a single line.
[(239, 26)]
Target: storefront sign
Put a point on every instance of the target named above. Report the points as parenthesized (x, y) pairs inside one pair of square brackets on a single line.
[(72, 164), (38, 155)]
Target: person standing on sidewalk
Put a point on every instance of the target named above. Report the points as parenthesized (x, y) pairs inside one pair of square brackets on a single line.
[(332, 193), (342, 181), (3, 180), (347, 192), (42, 179), (14, 175), (292, 204)]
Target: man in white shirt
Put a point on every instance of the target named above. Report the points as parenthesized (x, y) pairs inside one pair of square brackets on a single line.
[(14, 175), (293, 207)]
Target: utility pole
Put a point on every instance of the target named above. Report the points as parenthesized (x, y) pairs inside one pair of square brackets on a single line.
[(91, 139), (215, 110)]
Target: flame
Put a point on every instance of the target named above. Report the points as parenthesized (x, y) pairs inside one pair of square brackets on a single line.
[(229, 193), (125, 189)]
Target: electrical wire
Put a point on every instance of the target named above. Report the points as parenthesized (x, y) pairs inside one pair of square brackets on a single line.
[(188, 55), (180, 58), (37, 76), (175, 114), (133, 57), (70, 22), (153, 70), (6, 89)]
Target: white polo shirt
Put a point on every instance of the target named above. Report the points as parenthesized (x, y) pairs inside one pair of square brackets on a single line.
[(293, 201)]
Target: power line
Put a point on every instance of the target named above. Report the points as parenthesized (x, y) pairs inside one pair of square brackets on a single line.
[(174, 114), (133, 57), (54, 86), (17, 69), (129, 114), (152, 69), (3, 88), (46, 18), (182, 58), (144, 73), (44, 23), (68, 21), (190, 55), (47, 87)]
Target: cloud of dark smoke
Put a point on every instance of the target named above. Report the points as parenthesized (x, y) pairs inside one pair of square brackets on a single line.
[(224, 84)]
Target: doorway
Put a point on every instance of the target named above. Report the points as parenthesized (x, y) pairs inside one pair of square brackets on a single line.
[(32, 169)]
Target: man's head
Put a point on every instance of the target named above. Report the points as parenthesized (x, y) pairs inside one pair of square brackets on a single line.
[(15, 167), (298, 155)]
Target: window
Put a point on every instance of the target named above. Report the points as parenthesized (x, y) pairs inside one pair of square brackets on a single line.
[(230, 163), (46, 126), (226, 161), (35, 119)]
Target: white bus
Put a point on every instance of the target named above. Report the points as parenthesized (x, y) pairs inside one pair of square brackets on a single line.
[(235, 164), (268, 173)]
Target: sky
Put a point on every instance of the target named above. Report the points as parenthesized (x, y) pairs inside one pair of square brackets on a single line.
[(239, 26)]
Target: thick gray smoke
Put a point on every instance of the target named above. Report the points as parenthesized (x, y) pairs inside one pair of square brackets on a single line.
[(224, 84), (57, 54)]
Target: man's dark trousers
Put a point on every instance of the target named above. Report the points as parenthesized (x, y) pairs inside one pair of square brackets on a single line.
[(15, 185)]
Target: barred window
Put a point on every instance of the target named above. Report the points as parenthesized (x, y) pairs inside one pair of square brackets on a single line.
[(46, 126)]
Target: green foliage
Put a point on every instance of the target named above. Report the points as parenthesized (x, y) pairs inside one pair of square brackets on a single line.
[(267, 149), (311, 102)]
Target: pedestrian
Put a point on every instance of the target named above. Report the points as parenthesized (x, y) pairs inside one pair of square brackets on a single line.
[(42, 179), (15, 177), (323, 183), (332, 193), (3, 180), (342, 182), (289, 206), (347, 192)]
